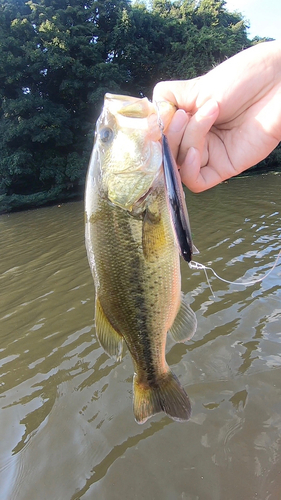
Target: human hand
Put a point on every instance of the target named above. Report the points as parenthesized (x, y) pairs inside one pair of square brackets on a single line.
[(229, 119)]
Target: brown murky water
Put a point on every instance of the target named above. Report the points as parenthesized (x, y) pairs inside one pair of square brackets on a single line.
[(66, 421)]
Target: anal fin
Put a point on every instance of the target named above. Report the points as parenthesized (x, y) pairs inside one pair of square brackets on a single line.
[(185, 323), (109, 338)]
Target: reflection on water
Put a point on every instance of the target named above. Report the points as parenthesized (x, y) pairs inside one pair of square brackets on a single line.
[(66, 420)]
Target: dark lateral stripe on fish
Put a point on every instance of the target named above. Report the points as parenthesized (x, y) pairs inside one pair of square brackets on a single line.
[(143, 353), (142, 350), (177, 204)]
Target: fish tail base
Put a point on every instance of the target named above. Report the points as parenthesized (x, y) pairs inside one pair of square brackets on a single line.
[(166, 395)]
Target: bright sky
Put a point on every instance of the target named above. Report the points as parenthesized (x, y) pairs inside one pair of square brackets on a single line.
[(264, 16)]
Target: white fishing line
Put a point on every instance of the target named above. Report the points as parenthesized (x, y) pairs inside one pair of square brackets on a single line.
[(198, 266)]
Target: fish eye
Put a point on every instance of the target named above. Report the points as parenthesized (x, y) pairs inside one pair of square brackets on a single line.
[(106, 134)]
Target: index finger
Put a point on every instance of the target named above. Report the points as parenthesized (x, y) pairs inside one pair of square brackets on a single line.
[(182, 93)]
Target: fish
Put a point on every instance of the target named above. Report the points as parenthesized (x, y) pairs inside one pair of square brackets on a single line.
[(133, 253)]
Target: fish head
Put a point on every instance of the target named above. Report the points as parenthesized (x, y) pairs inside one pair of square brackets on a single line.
[(127, 148)]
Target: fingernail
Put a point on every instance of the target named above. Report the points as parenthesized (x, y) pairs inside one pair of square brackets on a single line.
[(178, 122), (209, 108)]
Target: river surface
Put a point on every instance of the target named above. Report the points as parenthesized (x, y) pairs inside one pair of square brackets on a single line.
[(66, 421)]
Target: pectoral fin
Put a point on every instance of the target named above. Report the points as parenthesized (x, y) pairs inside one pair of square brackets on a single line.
[(185, 323), (153, 234), (109, 338)]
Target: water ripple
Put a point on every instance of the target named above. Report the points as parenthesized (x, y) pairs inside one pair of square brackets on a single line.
[(67, 427)]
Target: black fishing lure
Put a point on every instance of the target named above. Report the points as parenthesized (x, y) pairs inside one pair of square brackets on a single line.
[(177, 206)]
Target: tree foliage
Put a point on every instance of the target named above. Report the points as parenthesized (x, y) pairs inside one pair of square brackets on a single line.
[(59, 57)]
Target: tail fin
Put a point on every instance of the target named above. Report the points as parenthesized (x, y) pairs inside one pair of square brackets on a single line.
[(167, 395)]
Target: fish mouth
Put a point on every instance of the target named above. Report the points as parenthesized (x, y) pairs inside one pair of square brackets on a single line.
[(129, 107), (140, 107), (133, 113)]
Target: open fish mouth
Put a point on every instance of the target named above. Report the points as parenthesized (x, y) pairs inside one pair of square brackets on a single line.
[(130, 107)]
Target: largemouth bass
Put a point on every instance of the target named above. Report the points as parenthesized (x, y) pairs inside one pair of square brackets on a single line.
[(133, 254)]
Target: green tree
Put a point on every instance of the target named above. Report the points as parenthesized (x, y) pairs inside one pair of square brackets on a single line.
[(59, 57), (54, 69), (208, 35)]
